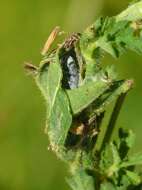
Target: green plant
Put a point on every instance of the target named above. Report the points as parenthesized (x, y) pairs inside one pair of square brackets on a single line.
[(78, 91)]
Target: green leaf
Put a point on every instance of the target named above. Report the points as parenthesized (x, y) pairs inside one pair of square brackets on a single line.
[(107, 46), (133, 177), (49, 79), (110, 161), (118, 88), (133, 160), (116, 34), (127, 139), (115, 154), (130, 40), (88, 93), (53, 81), (81, 181), (132, 13), (130, 139), (107, 186), (119, 37), (59, 121), (59, 118), (106, 159)]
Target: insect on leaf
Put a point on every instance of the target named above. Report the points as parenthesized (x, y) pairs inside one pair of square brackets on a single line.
[(58, 111), (50, 40), (88, 92)]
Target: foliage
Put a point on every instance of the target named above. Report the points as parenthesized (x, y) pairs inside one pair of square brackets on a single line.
[(78, 91)]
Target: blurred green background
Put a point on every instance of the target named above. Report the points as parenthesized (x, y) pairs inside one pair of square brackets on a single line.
[(25, 163)]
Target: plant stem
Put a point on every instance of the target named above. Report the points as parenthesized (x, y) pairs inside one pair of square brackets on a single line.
[(113, 119)]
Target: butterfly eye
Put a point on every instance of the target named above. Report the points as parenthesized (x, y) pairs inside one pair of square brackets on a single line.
[(70, 70)]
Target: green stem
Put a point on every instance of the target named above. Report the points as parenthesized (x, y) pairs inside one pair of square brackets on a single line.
[(113, 119)]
